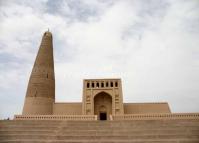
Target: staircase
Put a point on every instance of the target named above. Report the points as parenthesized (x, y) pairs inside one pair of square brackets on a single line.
[(135, 131)]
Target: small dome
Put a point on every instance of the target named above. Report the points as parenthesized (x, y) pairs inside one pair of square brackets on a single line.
[(47, 33)]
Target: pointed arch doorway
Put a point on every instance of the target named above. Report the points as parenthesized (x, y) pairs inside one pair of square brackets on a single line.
[(103, 105)]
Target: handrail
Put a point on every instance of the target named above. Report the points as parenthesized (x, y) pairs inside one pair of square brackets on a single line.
[(158, 116), (163, 116), (56, 117)]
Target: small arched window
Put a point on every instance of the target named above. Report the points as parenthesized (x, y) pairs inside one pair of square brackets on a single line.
[(88, 85), (111, 84), (107, 84), (102, 84), (116, 84), (93, 85), (97, 84)]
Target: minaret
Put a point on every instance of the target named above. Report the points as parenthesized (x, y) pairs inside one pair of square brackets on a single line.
[(40, 94)]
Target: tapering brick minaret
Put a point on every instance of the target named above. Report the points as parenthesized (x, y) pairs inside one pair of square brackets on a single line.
[(40, 94)]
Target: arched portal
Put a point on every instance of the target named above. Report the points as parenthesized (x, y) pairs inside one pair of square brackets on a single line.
[(103, 106)]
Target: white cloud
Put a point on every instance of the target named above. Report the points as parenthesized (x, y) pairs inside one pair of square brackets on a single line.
[(151, 45)]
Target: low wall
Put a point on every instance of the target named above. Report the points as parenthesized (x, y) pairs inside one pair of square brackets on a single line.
[(73, 108), (146, 108), (56, 117), (165, 116)]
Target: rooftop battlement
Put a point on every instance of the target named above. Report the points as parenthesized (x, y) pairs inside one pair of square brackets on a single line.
[(102, 83)]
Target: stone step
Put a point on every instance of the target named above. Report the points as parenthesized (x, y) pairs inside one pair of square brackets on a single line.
[(89, 129), (99, 125), (101, 132), (51, 122), (34, 132), (125, 135), (28, 128), (129, 132), (98, 137), (82, 127), (33, 122), (96, 125), (129, 137), (177, 131), (127, 129), (102, 141)]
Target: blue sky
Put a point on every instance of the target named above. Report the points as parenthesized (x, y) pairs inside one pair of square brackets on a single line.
[(152, 45)]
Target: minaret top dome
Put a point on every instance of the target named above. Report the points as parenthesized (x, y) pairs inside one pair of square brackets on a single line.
[(47, 33)]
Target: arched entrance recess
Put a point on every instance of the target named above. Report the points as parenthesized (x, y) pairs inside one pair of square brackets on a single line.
[(103, 105)]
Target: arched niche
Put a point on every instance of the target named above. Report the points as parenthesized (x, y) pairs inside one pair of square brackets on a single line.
[(103, 105)]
